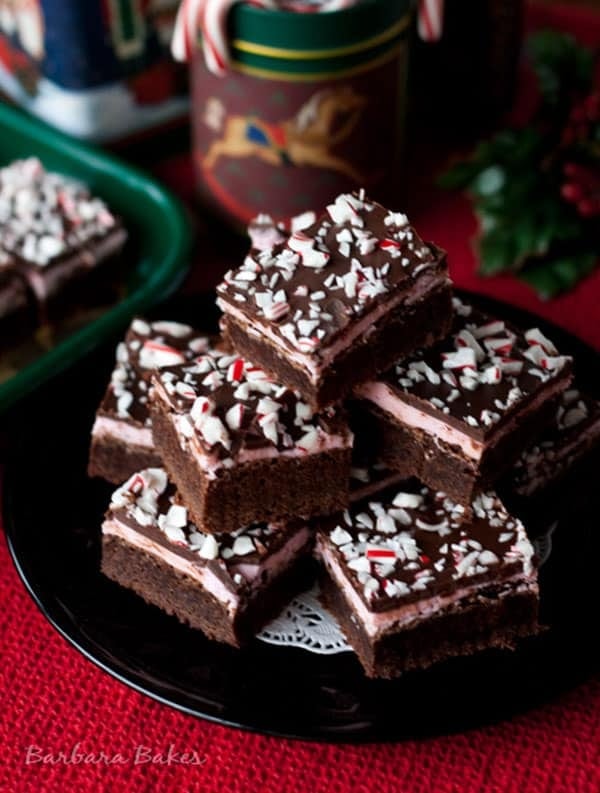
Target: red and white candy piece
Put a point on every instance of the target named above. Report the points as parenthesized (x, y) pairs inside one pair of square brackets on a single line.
[(408, 500), (346, 209), (376, 554), (307, 345), (509, 365), (466, 339), (499, 346), (315, 259), (340, 536), (176, 329), (235, 372), (396, 219), (136, 484), (276, 310), (202, 407), (309, 441), (462, 359), (184, 390), (154, 355), (141, 327), (303, 221), (389, 245), (235, 416), (300, 242), (491, 375), (360, 565), (214, 431), (535, 337), (490, 329), (539, 357), (210, 548)]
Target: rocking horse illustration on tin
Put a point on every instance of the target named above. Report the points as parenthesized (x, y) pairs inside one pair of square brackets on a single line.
[(306, 139)]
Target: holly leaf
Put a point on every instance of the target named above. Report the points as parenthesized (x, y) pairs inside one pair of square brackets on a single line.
[(552, 276), (515, 178), (563, 67), (510, 243), (459, 175)]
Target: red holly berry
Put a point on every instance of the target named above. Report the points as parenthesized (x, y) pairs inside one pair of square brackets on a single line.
[(582, 187), (583, 118)]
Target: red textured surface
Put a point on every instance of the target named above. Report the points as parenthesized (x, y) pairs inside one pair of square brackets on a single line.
[(56, 701)]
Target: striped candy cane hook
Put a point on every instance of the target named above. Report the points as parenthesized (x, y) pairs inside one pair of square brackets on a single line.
[(187, 25), (431, 19)]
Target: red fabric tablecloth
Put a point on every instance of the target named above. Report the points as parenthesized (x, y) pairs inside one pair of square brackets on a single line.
[(54, 701)]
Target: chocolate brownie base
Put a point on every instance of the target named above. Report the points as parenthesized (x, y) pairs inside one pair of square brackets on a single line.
[(273, 489), (180, 596), (115, 461), (493, 618), (17, 327), (413, 452), (399, 333), (84, 280), (565, 493)]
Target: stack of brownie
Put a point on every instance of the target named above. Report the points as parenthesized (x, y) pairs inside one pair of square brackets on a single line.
[(352, 411), (53, 234)]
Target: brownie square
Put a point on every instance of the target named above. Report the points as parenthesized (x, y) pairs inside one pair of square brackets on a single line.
[(458, 416), (413, 582), (336, 300), (15, 301), (368, 477), (53, 227), (122, 433), (563, 462), (227, 586), (13, 292), (241, 448)]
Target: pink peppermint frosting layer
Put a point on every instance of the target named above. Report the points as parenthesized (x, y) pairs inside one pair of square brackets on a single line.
[(378, 623), (315, 364), (385, 398), (123, 431), (211, 464), (255, 574)]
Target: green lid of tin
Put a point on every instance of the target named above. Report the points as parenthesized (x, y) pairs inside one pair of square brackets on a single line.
[(315, 43)]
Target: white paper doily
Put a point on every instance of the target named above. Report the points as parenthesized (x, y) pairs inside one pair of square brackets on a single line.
[(306, 624), (542, 545)]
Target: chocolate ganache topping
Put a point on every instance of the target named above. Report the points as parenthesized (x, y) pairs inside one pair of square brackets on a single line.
[(228, 404), (414, 543), (479, 374), (147, 346), (147, 502), (45, 217), (308, 284), (575, 431)]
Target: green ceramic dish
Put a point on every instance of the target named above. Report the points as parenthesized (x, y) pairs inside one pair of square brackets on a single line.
[(157, 224)]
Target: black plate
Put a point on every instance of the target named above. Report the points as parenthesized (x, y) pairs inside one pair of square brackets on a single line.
[(52, 517)]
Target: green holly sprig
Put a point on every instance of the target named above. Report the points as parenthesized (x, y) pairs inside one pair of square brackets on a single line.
[(536, 189)]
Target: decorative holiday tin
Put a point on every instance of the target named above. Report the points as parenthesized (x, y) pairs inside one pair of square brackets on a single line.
[(99, 69), (311, 105)]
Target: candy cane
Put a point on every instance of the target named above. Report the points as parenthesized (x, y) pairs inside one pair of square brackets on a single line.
[(431, 18), (211, 17), (186, 28), (214, 35)]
